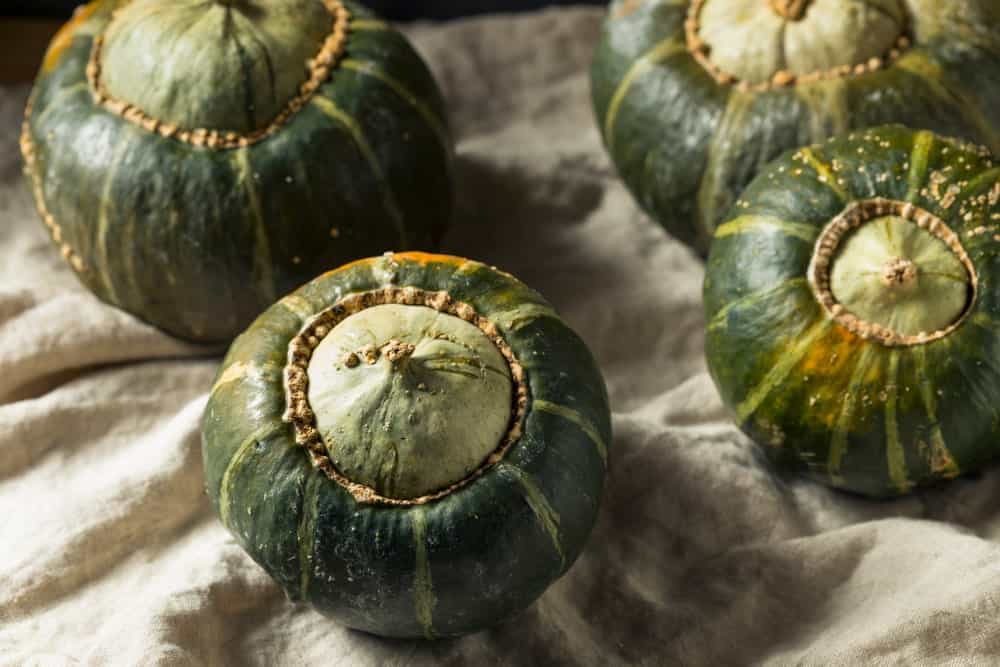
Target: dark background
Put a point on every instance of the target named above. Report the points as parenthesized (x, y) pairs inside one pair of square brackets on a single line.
[(398, 10)]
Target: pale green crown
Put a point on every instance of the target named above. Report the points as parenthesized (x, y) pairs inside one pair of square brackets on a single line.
[(228, 65), (892, 273), (409, 400), (753, 40)]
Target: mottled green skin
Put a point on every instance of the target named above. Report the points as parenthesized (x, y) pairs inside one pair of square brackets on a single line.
[(488, 549), (686, 146), (199, 241), (846, 411)]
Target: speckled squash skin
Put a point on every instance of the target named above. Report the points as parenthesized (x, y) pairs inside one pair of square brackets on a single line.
[(845, 410), (199, 240), (455, 565), (687, 144)]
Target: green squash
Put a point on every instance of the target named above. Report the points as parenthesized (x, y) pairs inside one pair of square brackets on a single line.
[(853, 310), (414, 444), (693, 97), (196, 159)]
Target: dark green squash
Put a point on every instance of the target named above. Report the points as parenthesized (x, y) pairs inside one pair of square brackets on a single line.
[(694, 96), (194, 160), (397, 365), (853, 310)]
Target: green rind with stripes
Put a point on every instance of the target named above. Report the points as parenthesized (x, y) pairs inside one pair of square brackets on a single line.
[(433, 569), (252, 223), (846, 411)]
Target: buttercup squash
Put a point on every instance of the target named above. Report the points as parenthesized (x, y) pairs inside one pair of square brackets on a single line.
[(194, 160), (853, 310), (693, 97), (414, 444)]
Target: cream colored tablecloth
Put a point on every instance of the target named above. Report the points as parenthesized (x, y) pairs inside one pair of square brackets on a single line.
[(110, 555)]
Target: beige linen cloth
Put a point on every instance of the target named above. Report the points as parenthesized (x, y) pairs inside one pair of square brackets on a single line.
[(703, 555)]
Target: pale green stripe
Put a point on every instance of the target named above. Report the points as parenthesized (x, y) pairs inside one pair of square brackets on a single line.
[(521, 316), (582, 422), (539, 504), (306, 531), (713, 192), (55, 103), (755, 298), (369, 24), (242, 370), (922, 145), (838, 439), (941, 461), (262, 243), (978, 184), (826, 174), (242, 452), (645, 62), (388, 198), (782, 367), (297, 306), (895, 455), (827, 101), (435, 123), (423, 589), (752, 223), (103, 221)]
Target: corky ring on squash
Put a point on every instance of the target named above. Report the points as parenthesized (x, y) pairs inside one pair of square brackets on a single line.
[(414, 444), (196, 159), (853, 310), (694, 96)]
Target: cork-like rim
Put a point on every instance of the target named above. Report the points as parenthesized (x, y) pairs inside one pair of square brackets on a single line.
[(30, 164), (296, 383), (855, 215), (319, 69), (700, 51)]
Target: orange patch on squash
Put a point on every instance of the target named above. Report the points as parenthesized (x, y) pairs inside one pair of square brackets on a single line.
[(430, 258), (64, 38), (626, 8), (830, 353)]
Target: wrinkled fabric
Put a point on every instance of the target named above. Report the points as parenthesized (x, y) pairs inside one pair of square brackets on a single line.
[(703, 554)]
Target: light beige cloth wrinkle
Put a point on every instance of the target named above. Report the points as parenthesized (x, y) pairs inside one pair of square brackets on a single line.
[(110, 555)]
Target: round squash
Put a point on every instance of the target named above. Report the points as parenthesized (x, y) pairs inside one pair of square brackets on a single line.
[(414, 444), (853, 315), (694, 96), (196, 159)]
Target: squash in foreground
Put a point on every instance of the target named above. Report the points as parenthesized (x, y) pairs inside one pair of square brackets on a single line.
[(414, 444), (196, 159), (694, 96), (853, 311)]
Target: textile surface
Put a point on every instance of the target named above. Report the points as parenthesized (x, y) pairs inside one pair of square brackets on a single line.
[(703, 555)]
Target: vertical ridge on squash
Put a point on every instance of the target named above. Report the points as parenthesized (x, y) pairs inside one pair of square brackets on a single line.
[(423, 586), (923, 143), (397, 86), (330, 108), (262, 250), (547, 517)]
